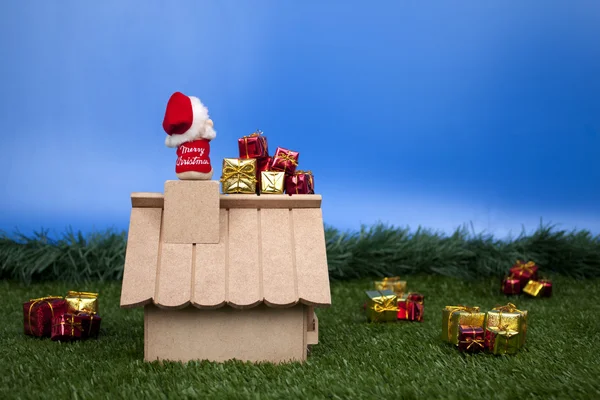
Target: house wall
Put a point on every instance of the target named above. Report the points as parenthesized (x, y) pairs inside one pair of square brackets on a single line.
[(257, 334)]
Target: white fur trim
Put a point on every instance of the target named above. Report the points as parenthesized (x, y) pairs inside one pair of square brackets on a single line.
[(199, 129)]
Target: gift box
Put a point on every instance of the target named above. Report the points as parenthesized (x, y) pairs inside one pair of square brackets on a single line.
[(382, 306), (510, 318), (455, 316), (393, 283), (82, 302), (262, 164), (524, 272), (471, 338), (272, 182), (67, 327), (90, 325), (511, 285), (541, 288), (39, 313), (502, 340), (410, 310), (302, 182), (285, 161), (416, 297), (239, 176), (253, 146)]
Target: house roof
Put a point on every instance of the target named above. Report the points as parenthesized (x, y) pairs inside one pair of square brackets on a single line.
[(271, 250)]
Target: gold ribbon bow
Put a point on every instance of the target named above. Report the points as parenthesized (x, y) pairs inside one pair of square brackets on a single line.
[(384, 304), (255, 134), (40, 300), (524, 267), (509, 307), (478, 342), (286, 157), (244, 171)]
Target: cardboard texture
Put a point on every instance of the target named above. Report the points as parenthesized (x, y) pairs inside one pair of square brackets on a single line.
[(191, 212), (156, 200), (259, 334), (249, 295)]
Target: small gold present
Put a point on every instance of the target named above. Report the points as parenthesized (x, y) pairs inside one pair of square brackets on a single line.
[(82, 302), (501, 340), (382, 306), (391, 283), (510, 318), (239, 176), (272, 182)]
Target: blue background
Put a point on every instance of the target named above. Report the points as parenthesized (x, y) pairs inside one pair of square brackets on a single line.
[(409, 113)]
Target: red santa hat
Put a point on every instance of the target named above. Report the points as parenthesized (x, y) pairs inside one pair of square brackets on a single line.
[(186, 119)]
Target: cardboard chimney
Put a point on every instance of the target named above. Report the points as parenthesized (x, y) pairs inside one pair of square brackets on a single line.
[(225, 277)]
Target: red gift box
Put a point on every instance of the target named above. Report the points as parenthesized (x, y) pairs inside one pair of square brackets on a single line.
[(67, 327), (253, 146), (38, 315), (262, 164), (302, 182), (511, 285), (546, 288), (416, 297), (470, 338), (410, 310), (524, 272), (90, 325), (285, 161)]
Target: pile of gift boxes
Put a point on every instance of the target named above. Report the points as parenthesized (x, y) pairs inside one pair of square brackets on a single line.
[(390, 302), (68, 318), (523, 278), (256, 172), (499, 331)]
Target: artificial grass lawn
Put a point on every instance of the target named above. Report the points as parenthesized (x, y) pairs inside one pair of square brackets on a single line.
[(353, 360)]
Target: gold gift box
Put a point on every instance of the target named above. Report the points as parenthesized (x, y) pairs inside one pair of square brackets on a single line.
[(394, 284), (533, 288), (82, 302), (272, 182), (239, 175), (507, 341), (454, 316), (510, 318), (382, 306)]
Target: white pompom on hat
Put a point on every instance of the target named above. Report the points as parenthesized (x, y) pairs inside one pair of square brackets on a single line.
[(186, 119)]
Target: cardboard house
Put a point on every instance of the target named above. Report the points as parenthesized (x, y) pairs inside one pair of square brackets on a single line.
[(225, 277)]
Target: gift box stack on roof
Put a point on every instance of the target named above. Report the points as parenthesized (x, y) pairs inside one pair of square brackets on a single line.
[(523, 278), (256, 172)]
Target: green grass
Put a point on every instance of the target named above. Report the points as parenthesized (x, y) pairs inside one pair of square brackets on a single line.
[(376, 251), (353, 360)]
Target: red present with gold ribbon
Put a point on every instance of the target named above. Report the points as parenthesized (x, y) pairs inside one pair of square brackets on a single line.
[(39, 313), (511, 285), (302, 182), (410, 310), (90, 325), (262, 164), (416, 297), (524, 272), (253, 146), (67, 327), (285, 161), (470, 338)]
